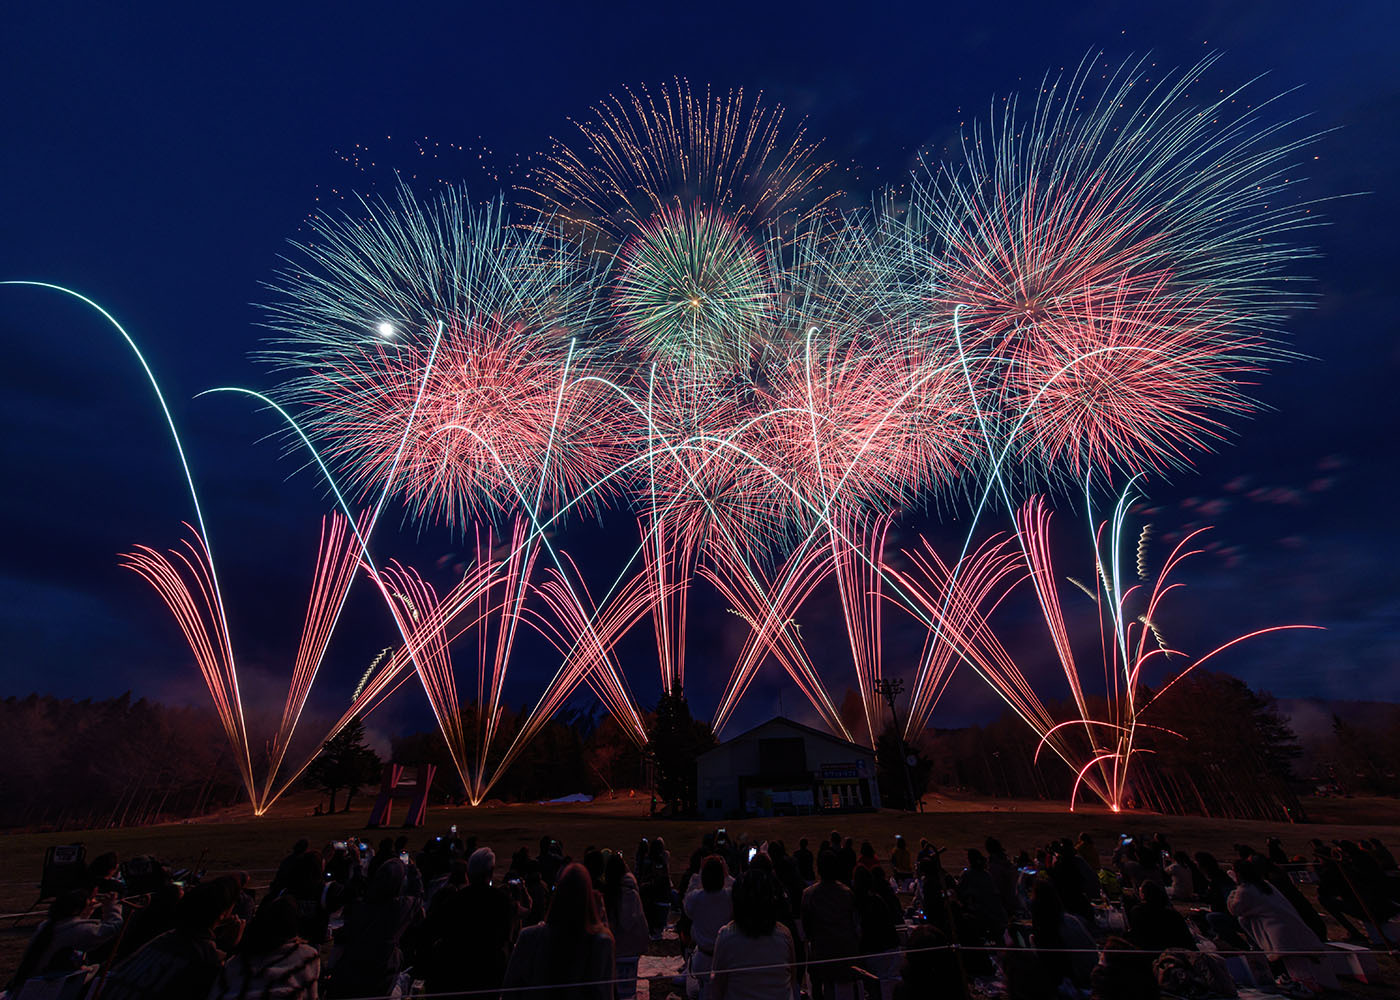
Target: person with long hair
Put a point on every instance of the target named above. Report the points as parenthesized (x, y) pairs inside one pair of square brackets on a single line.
[(1155, 925), (569, 956), (657, 888), (754, 953), (272, 963), (879, 934), (622, 902), (930, 968), (371, 955), (1275, 926), (1064, 945), (709, 908)]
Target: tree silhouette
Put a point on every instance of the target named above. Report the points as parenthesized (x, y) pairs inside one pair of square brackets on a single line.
[(346, 761), (675, 740)]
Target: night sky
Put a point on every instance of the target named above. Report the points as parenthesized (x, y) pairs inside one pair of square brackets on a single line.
[(158, 161)]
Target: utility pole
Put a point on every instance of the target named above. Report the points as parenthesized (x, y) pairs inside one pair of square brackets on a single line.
[(889, 688)]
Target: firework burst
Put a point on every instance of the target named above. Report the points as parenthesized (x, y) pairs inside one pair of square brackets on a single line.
[(692, 289), (644, 152), (486, 403), (1116, 200), (1134, 383)]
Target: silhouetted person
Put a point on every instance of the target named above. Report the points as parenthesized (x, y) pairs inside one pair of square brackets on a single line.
[(273, 962), (656, 887), (979, 895), (371, 956), (829, 921), (1121, 974), (284, 870), (754, 953), (867, 857), (68, 933), (469, 931), (930, 969), (181, 963), (622, 902), (1154, 925), (709, 908), (806, 862), (156, 917), (570, 955), (1054, 929), (102, 874), (878, 923)]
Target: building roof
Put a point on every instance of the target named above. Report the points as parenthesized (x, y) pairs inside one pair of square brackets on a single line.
[(784, 720)]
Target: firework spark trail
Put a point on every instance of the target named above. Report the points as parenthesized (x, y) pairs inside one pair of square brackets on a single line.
[(823, 525), (493, 660), (960, 599), (669, 559), (690, 285), (1103, 257), (586, 633), (410, 233), (326, 610), (1128, 645), (412, 599), (336, 560), (686, 279), (238, 739), (1113, 354), (373, 687), (840, 403), (400, 666), (1141, 408), (1033, 527), (610, 681), (769, 610), (499, 420), (514, 303), (428, 630), (861, 586), (490, 409), (185, 582)]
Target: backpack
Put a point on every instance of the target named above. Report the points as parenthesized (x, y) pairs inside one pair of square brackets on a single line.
[(1193, 974)]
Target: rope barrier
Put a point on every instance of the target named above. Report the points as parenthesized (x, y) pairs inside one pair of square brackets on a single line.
[(852, 959)]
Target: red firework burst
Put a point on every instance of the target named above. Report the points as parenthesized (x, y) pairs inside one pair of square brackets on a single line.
[(1129, 382), (703, 474), (873, 425), (502, 419)]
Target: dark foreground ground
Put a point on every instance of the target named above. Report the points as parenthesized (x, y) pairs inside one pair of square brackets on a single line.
[(237, 841)]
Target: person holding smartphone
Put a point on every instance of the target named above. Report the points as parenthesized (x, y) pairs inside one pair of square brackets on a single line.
[(79, 921)]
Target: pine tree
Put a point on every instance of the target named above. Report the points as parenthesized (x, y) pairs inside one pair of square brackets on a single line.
[(675, 741), (346, 761)]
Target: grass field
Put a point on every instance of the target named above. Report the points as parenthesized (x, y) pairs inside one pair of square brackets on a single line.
[(237, 841)]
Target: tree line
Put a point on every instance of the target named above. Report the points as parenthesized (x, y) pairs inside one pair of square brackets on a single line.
[(1208, 746), (112, 762), (1219, 749)]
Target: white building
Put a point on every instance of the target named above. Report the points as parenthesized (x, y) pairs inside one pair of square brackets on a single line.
[(783, 768)]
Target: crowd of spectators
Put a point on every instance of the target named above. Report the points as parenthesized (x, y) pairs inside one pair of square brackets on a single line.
[(753, 921)]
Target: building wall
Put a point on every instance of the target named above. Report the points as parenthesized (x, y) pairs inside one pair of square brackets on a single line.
[(720, 770)]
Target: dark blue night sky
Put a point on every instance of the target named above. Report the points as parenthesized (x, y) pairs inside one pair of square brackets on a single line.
[(157, 158)]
